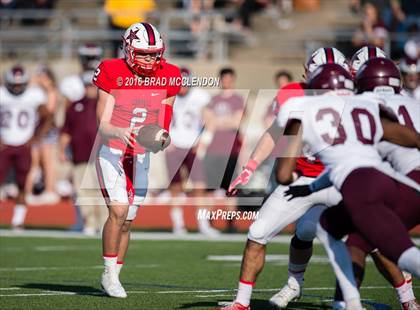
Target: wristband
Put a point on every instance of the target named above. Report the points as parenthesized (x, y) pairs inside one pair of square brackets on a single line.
[(252, 164)]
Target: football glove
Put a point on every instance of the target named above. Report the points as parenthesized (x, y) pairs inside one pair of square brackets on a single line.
[(243, 177), (296, 191)]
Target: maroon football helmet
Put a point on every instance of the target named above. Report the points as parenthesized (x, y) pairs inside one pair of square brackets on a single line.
[(330, 77), (16, 79), (378, 74)]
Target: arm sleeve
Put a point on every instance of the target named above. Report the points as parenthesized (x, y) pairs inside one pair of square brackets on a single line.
[(102, 79), (321, 182)]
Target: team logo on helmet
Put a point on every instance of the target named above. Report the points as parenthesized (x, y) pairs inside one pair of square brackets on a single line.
[(144, 39), (364, 54)]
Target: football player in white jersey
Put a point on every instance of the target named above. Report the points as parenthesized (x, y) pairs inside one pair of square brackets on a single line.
[(181, 155), (343, 132), (24, 118), (301, 247), (277, 212), (374, 77)]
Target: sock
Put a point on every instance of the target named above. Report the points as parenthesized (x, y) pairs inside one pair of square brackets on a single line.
[(177, 217), (110, 262), (340, 261), (297, 271), (244, 292), (409, 261), (405, 292), (19, 214), (120, 264)]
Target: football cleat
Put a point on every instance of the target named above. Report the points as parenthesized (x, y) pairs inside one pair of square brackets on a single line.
[(410, 305), (235, 306), (290, 292), (338, 305), (112, 286)]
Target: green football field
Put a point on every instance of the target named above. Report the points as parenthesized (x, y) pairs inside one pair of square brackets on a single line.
[(63, 273)]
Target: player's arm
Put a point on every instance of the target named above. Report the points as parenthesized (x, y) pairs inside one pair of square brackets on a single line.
[(399, 134), (165, 114), (263, 149), (64, 142), (287, 163), (104, 110)]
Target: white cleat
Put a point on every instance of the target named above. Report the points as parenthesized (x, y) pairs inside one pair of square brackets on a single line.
[(339, 305), (290, 292), (112, 286)]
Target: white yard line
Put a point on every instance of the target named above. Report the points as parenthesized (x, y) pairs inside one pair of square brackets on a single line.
[(41, 268), (213, 293), (61, 234), (9, 288)]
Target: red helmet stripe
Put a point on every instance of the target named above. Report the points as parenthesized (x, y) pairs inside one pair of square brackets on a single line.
[(150, 33), (330, 55), (371, 52)]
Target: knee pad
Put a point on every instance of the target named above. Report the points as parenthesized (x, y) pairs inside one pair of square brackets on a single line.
[(257, 232), (132, 212), (306, 230), (300, 244)]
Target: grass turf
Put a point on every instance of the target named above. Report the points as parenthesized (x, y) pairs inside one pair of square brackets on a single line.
[(47, 273)]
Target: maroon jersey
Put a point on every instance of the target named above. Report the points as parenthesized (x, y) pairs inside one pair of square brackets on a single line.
[(225, 141), (138, 100), (310, 167), (82, 137)]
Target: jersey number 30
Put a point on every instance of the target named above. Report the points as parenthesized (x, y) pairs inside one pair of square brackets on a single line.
[(341, 135)]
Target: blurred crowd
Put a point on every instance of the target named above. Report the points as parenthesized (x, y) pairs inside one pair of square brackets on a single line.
[(394, 21)]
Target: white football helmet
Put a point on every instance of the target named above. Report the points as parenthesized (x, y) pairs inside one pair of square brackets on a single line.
[(143, 38), (326, 55), (364, 54)]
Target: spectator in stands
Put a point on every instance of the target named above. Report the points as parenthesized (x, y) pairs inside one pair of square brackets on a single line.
[(43, 153), (221, 138), (124, 13), (246, 8), (407, 13), (373, 30), (34, 5), (197, 8)]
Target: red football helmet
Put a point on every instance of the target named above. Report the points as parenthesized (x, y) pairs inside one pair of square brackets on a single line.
[(378, 75), (16, 79), (330, 77), (143, 39)]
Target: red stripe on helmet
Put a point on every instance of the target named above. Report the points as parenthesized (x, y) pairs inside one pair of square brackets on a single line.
[(150, 33), (372, 52), (330, 55)]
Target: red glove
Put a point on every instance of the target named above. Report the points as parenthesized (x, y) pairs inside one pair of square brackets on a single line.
[(243, 178)]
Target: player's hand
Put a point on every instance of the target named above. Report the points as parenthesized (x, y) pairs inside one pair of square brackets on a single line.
[(296, 191), (128, 135), (243, 178)]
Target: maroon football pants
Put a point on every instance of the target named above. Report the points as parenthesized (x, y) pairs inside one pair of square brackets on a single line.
[(369, 201), (407, 209)]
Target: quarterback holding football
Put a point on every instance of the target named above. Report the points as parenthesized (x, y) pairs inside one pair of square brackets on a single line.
[(134, 119)]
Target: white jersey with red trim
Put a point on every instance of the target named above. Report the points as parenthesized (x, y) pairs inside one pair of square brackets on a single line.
[(187, 123), (19, 114), (343, 131), (407, 110)]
